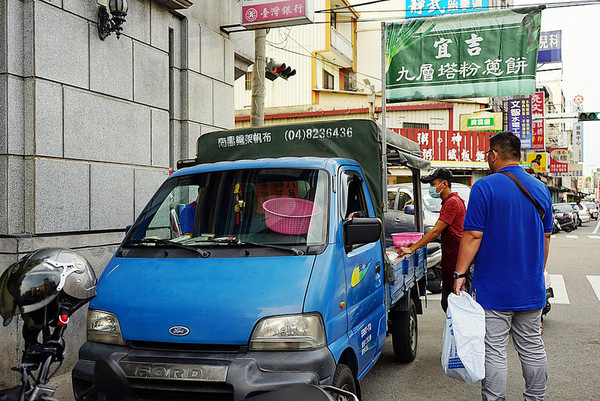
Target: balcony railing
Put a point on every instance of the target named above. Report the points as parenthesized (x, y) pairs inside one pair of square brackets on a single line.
[(343, 45)]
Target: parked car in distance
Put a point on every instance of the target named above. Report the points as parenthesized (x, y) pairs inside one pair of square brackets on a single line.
[(400, 214), (583, 214), (565, 215), (593, 208)]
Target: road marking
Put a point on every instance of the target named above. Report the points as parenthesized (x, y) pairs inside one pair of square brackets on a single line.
[(553, 236), (594, 236), (571, 236), (597, 226), (560, 290), (595, 282)]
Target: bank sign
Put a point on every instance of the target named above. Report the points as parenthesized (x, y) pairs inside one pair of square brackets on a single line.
[(274, 13), (430, 8), (481, 54)]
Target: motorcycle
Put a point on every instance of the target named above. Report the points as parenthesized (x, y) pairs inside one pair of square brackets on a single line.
[(556, 226), (564, 222), (45, 287)]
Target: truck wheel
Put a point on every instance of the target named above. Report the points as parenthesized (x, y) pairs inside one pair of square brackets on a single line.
[(405, 333), (344, 379)]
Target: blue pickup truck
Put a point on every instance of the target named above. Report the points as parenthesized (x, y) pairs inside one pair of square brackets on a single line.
[(280, 276)]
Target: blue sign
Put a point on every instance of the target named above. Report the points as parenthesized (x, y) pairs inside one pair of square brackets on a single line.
[(431, 8), (519, 120), (549, 50)]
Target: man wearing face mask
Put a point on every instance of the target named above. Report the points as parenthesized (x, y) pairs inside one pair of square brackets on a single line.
[(449, 226)]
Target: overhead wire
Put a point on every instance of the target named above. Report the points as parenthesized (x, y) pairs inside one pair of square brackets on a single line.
[(336, 9)]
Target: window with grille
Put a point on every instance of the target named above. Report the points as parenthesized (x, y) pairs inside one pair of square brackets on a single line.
[(248, 83), (415, 125)]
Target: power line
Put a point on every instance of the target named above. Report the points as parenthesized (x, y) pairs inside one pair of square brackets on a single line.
[(576, 3), (330, 63)]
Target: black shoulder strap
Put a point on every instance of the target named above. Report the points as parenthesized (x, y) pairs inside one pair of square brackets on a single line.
[(526, 192)]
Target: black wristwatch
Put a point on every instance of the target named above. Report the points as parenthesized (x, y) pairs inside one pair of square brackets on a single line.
[(456, 275)]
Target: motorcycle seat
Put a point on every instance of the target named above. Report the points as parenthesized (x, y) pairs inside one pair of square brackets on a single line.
[(433, 247)]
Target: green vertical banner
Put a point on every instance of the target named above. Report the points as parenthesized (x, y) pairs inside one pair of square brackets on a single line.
[(482, 54)]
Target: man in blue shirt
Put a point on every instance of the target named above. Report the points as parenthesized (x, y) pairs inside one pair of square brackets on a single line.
[(509, 241), (187, 217)]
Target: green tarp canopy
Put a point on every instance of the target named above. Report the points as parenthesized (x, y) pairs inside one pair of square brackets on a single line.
[(359, 140)]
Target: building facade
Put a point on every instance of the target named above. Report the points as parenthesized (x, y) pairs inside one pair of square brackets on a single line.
[(89, 128)]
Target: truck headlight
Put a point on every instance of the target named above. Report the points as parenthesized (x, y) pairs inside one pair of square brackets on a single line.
[(103, 327), (288, 333)]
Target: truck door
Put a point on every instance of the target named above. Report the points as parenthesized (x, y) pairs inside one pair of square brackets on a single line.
[(364, 276)]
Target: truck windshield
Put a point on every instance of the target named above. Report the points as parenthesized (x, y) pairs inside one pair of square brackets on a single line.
[(264, 206)]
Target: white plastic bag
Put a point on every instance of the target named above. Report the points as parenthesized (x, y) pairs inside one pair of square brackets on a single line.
[(463, 351)]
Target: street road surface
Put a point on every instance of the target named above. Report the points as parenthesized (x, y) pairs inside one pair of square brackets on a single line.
[(571, 335)]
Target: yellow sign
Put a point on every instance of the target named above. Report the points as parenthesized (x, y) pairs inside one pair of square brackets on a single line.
[(481, 121), (538, 161)]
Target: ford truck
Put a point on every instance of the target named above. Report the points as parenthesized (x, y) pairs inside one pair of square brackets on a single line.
[(283, 276)]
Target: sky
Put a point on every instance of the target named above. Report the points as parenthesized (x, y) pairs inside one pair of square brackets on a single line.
[(581, 65)]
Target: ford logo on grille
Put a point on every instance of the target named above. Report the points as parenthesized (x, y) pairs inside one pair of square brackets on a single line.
[(179, 331)]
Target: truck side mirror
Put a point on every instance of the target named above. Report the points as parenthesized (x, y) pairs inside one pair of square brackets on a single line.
[(361, 230), (409, 209)]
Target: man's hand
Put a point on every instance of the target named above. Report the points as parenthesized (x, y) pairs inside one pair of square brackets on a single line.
[(459, 285), (403, 251)]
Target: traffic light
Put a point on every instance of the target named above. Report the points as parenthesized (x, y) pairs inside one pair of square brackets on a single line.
[(589, 116), (276, 69)]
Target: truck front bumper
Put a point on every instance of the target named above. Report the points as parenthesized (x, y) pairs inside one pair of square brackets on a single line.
[(182, 375)]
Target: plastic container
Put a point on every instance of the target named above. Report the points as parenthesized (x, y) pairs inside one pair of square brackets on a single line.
[(403, 239), (290, 216)]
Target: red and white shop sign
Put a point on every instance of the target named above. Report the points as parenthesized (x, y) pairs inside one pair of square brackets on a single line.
[(559, 160), (537, 104), (274, 13), (538, 139), (452, 146)]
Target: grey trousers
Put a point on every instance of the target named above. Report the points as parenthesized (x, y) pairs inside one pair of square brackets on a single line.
[(524, 326)]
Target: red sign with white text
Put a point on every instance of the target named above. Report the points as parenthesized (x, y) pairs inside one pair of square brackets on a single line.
[(444, 145), (537, 104), (538, 139), (280, 12), (559, 160)]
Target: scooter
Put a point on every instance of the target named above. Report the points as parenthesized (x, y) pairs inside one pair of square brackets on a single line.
[(69, 283), (565, 222)]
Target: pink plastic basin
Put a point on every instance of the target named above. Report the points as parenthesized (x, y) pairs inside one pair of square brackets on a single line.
[(290, 216), (403, 239)]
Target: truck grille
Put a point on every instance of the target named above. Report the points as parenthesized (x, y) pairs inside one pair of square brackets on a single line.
[(158, 346), (148, 390)]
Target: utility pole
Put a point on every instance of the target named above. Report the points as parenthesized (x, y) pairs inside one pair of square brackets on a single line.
[(257, 117)]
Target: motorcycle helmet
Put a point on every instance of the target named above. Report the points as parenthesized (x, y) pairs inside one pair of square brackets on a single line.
[(45, 278)]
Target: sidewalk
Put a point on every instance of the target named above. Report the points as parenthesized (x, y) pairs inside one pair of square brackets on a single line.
[(64, 390)]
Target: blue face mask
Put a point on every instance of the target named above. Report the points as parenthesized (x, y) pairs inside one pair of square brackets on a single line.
[(433, 193)]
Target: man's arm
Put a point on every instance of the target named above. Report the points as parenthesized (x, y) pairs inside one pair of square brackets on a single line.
[(546, 247), (426, 239), (469, 245)]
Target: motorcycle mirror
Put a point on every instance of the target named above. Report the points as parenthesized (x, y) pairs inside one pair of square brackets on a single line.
[(110, 380)]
